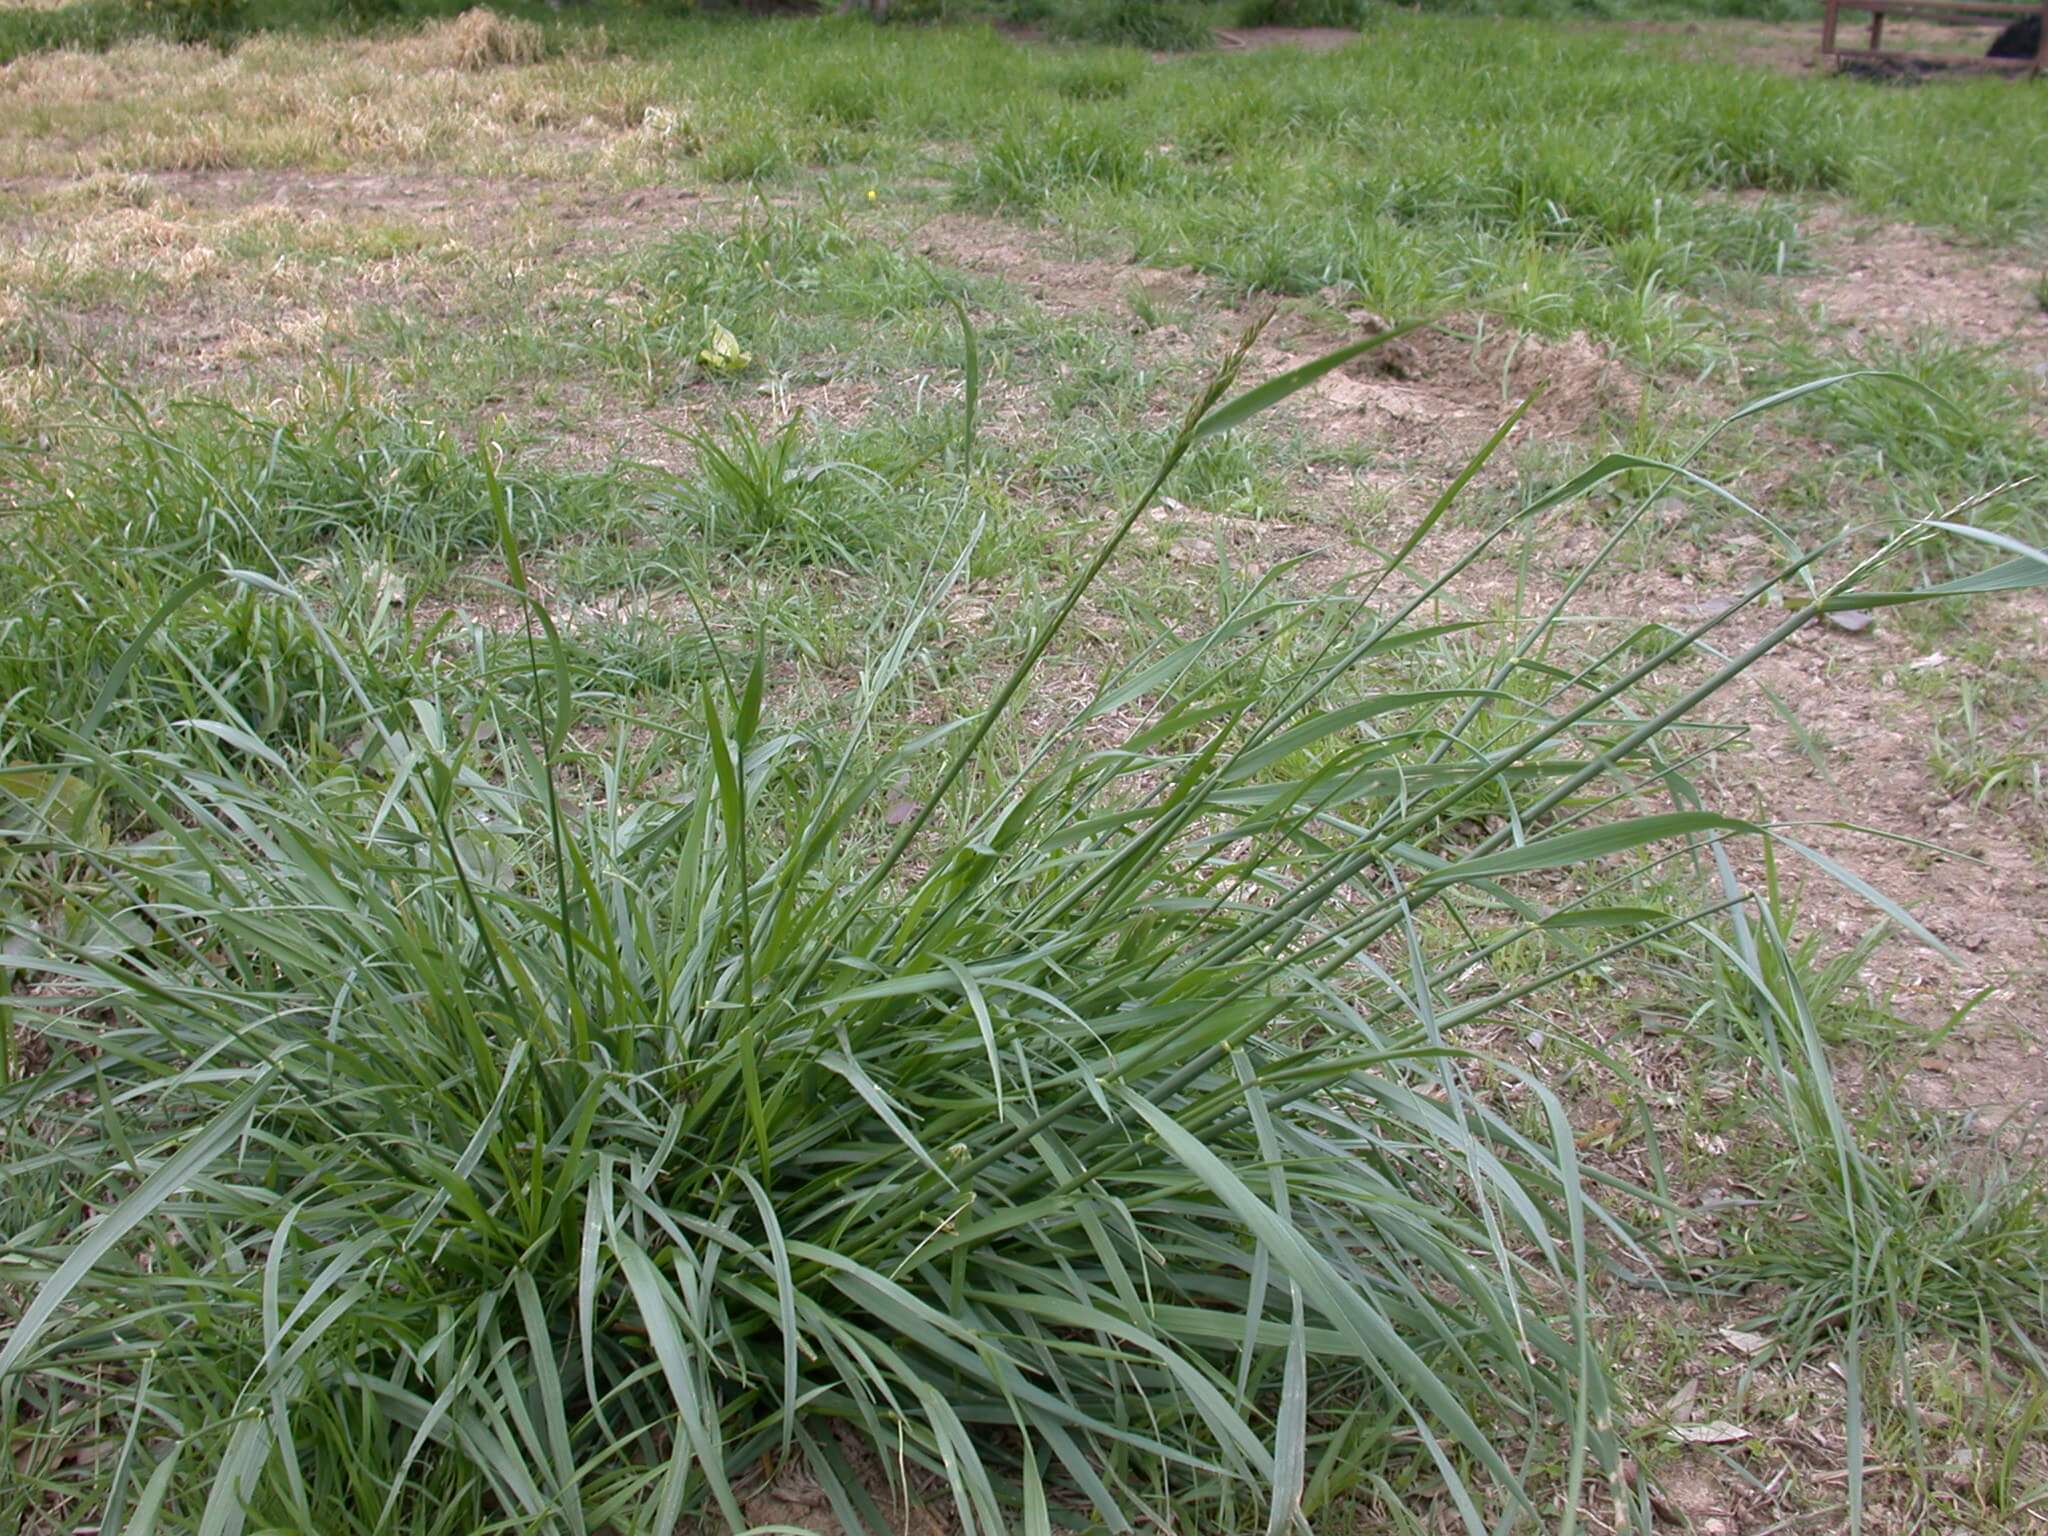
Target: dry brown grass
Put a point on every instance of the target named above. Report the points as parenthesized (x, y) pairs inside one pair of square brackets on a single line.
[(478, 39), (276, 102)]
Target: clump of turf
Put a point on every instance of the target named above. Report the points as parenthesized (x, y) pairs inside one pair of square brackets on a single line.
[(463, 1129)]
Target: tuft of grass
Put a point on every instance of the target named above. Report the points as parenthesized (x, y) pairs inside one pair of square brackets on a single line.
[(764, 489), (1107, 76), (1907, 1228), (1966, 417), (760, 281), (1974, 757), (1886, 1229), (1739, 1007), (204, 482), (473, 1130), (1028, 161), (745, 152), (300, 518), (1162, 26), (845, 100)]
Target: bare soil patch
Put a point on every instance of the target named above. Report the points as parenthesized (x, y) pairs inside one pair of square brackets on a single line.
[(1309, 39), (1985, 895), (1975, 875), (1790, 47), (1428, 398), (1434, 395), (1836, 753), (1894, 281), (1975, 872), (1072, 286)]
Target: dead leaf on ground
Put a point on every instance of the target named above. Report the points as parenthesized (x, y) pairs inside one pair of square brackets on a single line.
[(1714, 1432), (1744, 1343)]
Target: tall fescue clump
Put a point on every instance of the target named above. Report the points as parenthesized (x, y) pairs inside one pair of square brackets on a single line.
[(464, 1137)]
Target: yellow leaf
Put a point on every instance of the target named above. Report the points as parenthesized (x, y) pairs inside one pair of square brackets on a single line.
[(724, 354)]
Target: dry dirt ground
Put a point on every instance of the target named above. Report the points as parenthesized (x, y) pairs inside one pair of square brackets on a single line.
[(1891, 281)]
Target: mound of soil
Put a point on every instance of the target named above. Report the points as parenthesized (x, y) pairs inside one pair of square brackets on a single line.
[(1436, 392)]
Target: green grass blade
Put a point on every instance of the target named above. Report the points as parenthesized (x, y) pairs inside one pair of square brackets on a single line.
[(161, 1184)]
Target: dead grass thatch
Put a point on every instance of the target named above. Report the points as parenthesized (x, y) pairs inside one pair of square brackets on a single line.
[(478, 39)]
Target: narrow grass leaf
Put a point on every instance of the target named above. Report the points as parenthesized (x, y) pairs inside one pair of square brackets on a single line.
[(168, 1179), (1580, 847)]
